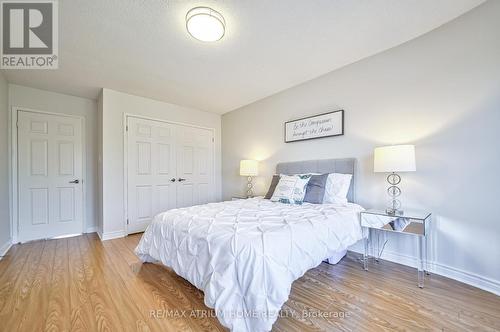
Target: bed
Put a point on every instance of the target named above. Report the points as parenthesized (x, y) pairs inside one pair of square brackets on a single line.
[(245, 254)]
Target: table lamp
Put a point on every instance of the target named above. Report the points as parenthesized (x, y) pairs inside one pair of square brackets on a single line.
[(392, 159), (249, 168)]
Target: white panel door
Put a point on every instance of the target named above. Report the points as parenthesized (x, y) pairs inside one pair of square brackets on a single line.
[(50, 190), (195, 180), (151, 171)]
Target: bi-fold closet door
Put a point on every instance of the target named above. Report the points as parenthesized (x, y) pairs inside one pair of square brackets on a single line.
[(169, 166)]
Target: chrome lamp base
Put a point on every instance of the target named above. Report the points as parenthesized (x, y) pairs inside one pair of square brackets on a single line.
[(249, 187), (394, 191), (394, 212)]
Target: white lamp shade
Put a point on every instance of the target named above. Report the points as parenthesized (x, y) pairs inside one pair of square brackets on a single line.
[(249, 168), (394, 158)]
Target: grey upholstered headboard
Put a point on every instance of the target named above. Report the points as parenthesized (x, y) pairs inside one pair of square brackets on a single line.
[(345, 166)]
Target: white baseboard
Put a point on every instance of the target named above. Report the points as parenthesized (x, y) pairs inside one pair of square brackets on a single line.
[(111, 235), (92, 229), (470, 278), (466, 277), (5, 247)]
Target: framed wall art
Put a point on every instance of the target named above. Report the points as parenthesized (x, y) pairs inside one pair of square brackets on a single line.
[(316, 126)]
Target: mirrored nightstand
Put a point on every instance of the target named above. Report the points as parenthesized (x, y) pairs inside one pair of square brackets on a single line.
[(414, 223)]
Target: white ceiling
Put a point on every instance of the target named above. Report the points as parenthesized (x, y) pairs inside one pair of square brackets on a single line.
[(142, 47)]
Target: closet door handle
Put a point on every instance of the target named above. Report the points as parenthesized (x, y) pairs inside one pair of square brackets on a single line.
[(75, 181), (172, 180), (181, 179)]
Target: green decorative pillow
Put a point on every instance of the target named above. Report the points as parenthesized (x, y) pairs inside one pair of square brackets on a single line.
[(291, 189)]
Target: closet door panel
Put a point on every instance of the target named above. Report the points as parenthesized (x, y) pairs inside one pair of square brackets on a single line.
[(194, 166), (151, 171)]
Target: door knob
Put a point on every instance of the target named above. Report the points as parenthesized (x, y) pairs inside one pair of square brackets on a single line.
[(181, 179), (172, 180), (75, 181)]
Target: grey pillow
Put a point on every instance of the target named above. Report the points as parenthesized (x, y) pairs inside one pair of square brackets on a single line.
[(274, 183), (315, 190)]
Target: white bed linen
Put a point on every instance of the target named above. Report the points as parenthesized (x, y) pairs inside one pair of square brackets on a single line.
[(245, 254)]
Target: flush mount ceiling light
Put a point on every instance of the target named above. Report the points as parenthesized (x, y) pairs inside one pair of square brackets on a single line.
[(205, 24)]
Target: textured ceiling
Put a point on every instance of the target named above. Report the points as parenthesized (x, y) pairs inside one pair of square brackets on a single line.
[(142, 47)]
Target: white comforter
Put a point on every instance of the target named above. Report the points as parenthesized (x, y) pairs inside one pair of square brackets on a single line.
[(245, 254)]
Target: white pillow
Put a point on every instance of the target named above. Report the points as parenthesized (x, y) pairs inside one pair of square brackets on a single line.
[(336, 188), (291, 189)]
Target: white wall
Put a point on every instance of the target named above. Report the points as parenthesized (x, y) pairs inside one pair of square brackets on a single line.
[(5, 236), (115, 105), (41, 100), (440, 92)]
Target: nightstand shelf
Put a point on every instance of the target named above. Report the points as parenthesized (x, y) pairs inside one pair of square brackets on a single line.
[(410, 222)]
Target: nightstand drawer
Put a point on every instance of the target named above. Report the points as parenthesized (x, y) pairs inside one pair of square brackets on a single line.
[(375, 220), (405, 225)]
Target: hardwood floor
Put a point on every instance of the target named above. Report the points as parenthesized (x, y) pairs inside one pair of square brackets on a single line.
[(83, 284)]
